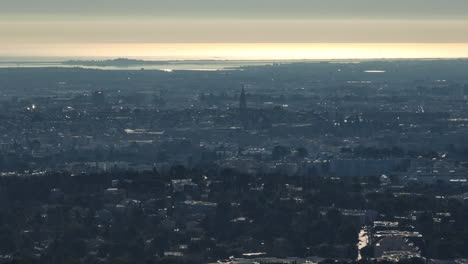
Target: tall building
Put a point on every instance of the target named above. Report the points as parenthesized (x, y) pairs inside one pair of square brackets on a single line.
[(242, 100)]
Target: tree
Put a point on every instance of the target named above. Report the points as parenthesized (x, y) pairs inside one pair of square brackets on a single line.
[(279, 152), (302, 152), (367, 252)]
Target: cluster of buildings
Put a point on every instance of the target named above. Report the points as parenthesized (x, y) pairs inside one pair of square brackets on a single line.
[(403, 127)]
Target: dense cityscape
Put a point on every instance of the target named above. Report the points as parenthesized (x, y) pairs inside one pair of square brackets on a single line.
[(305, 162)]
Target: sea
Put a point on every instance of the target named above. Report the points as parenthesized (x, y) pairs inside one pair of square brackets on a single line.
[(168, 65)]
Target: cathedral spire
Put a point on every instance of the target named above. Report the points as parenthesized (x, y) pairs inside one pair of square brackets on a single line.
[(242, 99)]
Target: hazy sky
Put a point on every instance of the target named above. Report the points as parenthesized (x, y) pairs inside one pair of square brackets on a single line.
[(238, 8), (25, 24)]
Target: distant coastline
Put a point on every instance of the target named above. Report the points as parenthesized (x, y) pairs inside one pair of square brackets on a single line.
[(175, 65), (125, 62), (134, 64)]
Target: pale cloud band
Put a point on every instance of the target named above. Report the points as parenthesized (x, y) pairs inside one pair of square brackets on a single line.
[(233, 31), (240, 51)]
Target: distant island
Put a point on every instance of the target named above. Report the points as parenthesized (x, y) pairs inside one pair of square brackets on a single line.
[(120, 62)]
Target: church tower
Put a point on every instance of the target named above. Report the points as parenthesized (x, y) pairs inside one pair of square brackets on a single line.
[(242, 100), (243, 108)]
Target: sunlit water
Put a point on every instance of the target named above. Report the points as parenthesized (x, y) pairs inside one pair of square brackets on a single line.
[(226, 55), (192, 66)]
